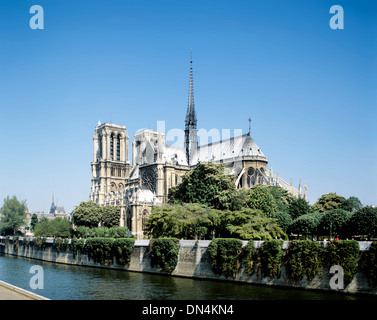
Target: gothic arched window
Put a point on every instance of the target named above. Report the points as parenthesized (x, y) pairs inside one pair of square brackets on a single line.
[(118, 147), (112, 146)]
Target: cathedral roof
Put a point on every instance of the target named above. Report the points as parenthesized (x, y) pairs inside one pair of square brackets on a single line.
[(241, 146)]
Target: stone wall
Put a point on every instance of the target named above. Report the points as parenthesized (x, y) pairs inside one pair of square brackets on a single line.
[(193, 261)]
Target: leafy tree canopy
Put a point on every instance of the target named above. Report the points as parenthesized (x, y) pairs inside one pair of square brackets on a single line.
[(13, 215), (328, 202), (335, 221), (207, 184), (87, 214), (261, 199), (351, 204), (298, 207)]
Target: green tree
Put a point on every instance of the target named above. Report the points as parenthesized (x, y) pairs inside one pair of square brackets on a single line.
[(187, 221), (282, 197), (13, 215), (328, 202), (262, 199), (363, 222), (87, 214), (284, 220), (298, 207), (335, 221), (57, 227), (110, 216), (34, 221), (206, 184), (306, 224), (351, 204)]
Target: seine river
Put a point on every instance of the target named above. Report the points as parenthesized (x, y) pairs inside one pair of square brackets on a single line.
[(66, 282)]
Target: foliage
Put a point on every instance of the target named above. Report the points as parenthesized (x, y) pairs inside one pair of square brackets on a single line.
[(224, 254), (57, 227), (306, 224), (284, 220), (249, 257), (100, 250), (270, 258), (351, 204), (104, 232), (368, 264), (187, 221), (299, 207), (363, 222), (206, 184), (122, 249), (250, 225), (110, 216), (304, 258), (261, 199), (16, 243), (164, 253), (344, 253), (13, 215), (328, 202), (39, 242), (87, 214), (335, 219), (58, 244), (34, 221), (282, 197)]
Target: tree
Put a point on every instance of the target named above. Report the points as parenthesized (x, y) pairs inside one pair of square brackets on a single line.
[(334, 222), (298, 207), (306, 224), (34, 221), (363, 222), (87, 214), (282, 197), (13, 215), (351, 204), (328, 202), (110, 216), (284, 220), (262, 199), (206, 184), (57, 227), (187, 221)]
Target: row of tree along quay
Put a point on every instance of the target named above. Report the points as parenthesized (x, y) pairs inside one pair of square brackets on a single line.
[(207, 205)]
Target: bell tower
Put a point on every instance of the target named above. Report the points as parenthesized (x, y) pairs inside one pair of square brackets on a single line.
[(110, 166)]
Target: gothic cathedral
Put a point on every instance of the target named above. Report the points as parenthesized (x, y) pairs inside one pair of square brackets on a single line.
[(157, 166)]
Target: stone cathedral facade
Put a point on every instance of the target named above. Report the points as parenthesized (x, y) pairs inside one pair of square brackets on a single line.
[(156, 166)]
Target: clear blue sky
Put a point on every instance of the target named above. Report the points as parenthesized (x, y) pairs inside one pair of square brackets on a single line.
[(310, 90)]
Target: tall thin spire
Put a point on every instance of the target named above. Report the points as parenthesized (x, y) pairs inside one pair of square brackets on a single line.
[(191, 116), (191, 137)]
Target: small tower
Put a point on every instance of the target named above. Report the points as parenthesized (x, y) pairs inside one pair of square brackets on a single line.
[(191, 134)]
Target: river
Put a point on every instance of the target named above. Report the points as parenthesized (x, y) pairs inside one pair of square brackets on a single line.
[(68, 282)]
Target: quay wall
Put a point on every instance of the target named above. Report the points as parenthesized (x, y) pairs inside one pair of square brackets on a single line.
[(193, 261)]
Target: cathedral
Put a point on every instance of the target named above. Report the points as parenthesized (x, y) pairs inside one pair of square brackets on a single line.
[(157, 166)]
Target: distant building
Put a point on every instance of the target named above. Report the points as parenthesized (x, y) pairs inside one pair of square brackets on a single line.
[(55, 212)]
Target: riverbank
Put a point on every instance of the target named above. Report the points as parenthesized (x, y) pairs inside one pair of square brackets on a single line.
[(193, 262), (11, 292)]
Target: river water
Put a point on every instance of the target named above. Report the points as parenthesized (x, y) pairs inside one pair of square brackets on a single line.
[(67, 282)]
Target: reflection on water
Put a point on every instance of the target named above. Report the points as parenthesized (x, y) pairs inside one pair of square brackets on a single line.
[(66, 282)]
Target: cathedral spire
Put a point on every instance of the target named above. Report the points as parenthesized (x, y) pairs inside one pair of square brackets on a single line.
[(191, 116), (191, 138)]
